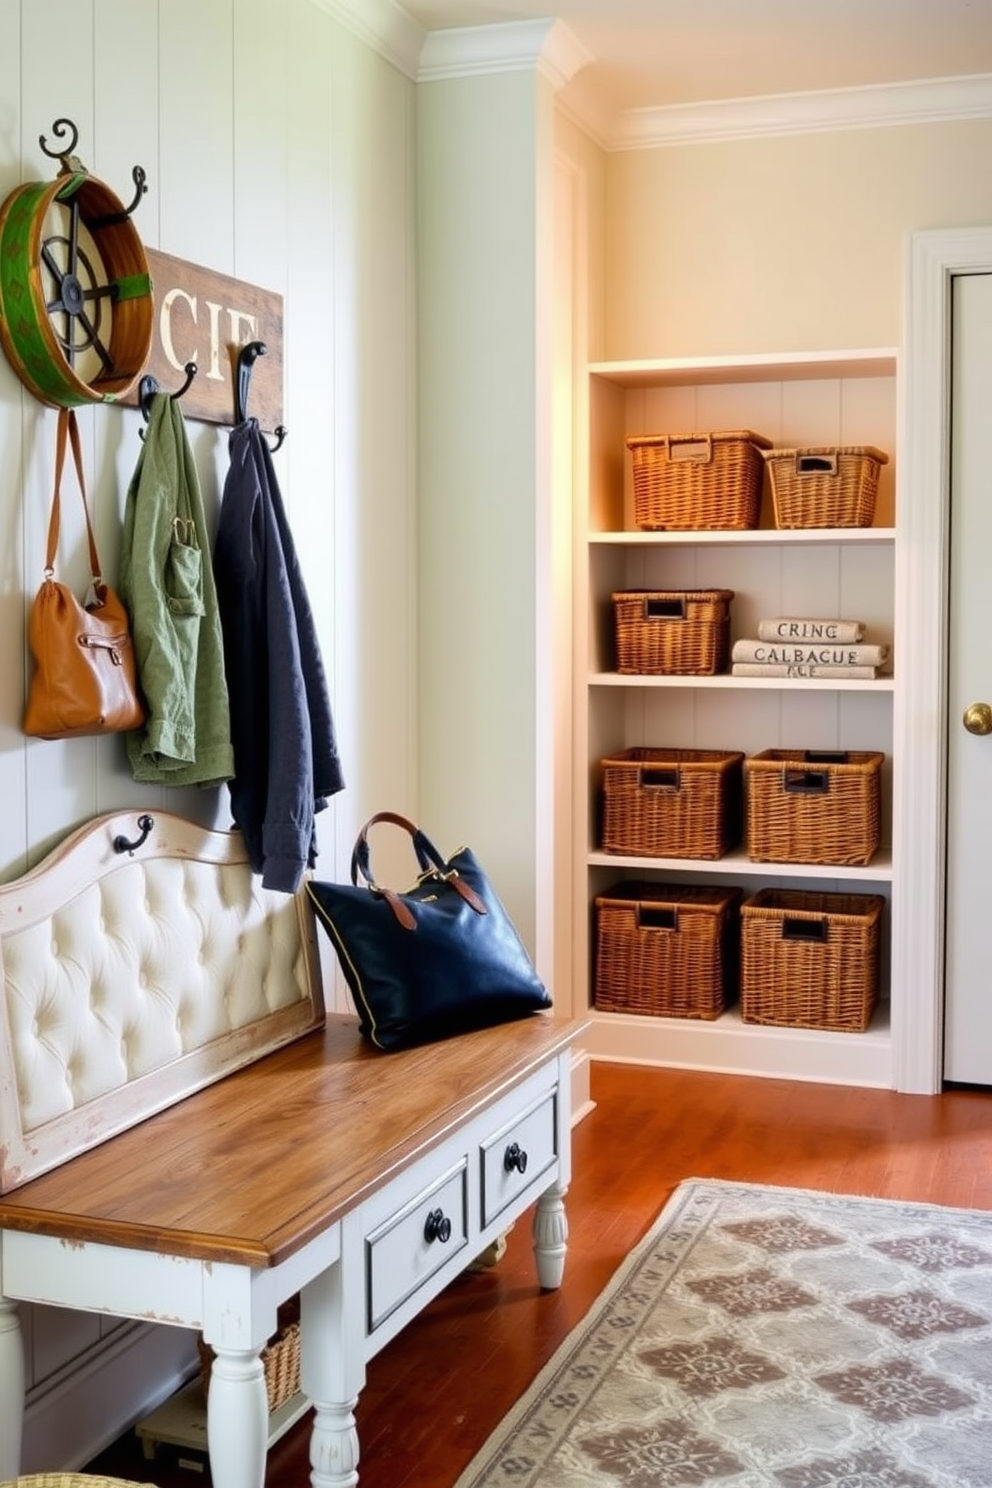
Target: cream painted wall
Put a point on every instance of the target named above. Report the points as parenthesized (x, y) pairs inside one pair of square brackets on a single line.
[(485, 212), (279, 149), (780, 244)]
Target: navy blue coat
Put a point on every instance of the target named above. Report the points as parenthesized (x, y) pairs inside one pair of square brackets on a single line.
[(286, 761)]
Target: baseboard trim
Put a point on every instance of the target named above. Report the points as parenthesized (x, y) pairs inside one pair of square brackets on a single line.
[(73, 1415)]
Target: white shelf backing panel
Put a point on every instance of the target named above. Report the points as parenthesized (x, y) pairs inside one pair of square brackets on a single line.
[(726, 872), (796, 403), (822, 581), (720, 719)]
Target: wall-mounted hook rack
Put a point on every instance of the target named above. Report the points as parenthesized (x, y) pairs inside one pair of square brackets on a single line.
[(247, 357), (149, 386)]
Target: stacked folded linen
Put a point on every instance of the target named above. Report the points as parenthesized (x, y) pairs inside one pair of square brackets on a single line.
[(787, 647)]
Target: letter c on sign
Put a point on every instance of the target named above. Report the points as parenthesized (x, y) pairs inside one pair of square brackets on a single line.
[(165, 328)]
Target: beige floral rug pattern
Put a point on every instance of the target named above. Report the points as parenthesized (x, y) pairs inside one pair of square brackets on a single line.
[(771, 1338)]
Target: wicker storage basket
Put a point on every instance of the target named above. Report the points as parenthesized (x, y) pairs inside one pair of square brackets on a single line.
[(280, 1358), (665, 949), (810, 960), (697, 481), (813, 806), (672, 803), (680, 632), (825, 486)]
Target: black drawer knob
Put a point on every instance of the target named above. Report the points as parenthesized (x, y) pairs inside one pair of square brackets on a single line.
[(515, 1159), (437, 1226)]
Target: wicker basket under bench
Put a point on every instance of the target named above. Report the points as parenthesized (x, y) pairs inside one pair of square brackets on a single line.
[(280, 1358)]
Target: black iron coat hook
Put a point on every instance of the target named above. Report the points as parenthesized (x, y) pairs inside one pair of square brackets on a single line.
[(149, 386), (247, 357), (121, 843)]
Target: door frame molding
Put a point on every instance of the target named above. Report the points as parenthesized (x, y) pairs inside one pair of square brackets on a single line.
[(934, 258)]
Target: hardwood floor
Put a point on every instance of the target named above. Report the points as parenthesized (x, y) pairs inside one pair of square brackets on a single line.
[(434, 1394)]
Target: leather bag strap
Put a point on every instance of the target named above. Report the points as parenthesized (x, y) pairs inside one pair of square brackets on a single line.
[(432, 865), (69, 427)]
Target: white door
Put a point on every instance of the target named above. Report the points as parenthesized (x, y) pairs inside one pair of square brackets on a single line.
[(968, 908)]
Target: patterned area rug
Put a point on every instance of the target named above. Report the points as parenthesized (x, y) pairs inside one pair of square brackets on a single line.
[(771, 1338)]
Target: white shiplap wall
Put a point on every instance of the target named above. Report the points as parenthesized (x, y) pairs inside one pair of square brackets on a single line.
[(279, 148)]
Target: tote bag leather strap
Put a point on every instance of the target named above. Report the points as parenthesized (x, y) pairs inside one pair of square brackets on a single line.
[(68, 426), (432, 865)]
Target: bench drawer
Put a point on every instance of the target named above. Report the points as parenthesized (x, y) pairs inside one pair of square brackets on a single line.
[(518, 1154), (416, 1241)]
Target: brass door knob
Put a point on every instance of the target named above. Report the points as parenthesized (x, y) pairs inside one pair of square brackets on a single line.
[(978, 718)]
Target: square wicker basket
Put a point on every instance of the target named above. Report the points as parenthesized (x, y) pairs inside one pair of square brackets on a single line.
[(810, 960), (697, 481), (813, 806), (825, 486), (668, 950), (280, 1358), (672, 803), (675, 632)]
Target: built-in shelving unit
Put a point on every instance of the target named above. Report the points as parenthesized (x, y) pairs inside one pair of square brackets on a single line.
[(796, 400)]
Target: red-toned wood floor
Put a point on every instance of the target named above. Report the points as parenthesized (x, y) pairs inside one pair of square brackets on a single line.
[(434, 1394)]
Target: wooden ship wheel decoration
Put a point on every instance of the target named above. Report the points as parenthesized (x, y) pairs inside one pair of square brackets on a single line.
[(76, 308)]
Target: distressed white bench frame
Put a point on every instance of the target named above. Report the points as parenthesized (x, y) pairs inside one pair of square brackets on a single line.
[(364, 1182)]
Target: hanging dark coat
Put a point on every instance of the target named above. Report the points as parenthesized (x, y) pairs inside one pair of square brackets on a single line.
[(286, 761)]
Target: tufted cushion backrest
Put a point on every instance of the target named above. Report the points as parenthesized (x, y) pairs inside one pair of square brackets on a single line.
[(133, 977)]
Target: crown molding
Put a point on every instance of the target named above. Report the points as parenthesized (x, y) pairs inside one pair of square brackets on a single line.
[(935, 100), (384, 26), (516, 46)]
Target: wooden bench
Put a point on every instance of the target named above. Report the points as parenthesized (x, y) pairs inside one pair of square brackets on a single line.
[(186, 1138)]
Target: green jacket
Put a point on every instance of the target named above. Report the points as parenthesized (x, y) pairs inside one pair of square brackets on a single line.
[(167, 583)]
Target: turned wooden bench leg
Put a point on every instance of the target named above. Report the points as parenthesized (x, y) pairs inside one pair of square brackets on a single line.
[(237, 1419), (333, 1365), (550, 1232)]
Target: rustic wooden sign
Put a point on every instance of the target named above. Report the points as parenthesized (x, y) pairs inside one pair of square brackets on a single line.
[(205, 317)]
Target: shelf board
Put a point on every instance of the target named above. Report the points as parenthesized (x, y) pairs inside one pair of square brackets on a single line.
[(725, 679), (757, 536), (758, 367), (738, 864), (731, 1046)]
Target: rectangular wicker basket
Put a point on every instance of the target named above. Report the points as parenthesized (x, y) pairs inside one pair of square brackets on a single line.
[(825, 486), (810, 960), (672, 803), (668, 950), (697, 481), (280, 1358), (676, 632), (813, 806)]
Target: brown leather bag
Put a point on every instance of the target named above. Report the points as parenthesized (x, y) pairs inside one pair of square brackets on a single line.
[(85, 679)]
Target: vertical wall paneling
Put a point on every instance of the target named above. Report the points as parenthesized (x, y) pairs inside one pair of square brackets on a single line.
[(279, 149), (369, 452), (13, 828), (125, 135), (57, 81)]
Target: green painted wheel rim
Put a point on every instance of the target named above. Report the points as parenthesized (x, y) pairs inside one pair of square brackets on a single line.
[(27, 333)]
